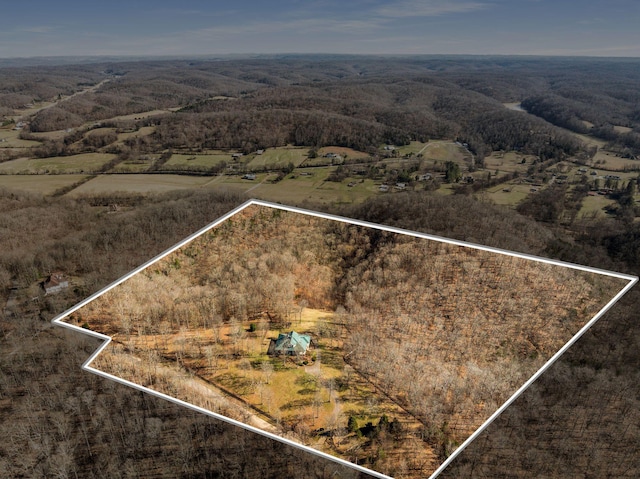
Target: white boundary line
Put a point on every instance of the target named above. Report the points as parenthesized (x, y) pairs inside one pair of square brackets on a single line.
[(107, 339)]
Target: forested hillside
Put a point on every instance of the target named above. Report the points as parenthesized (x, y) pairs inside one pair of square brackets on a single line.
[(578, 420)]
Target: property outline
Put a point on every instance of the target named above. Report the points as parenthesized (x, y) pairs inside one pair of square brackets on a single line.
[(632, 280)]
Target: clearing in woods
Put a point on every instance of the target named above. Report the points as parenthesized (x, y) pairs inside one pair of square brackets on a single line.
[(400, 347)]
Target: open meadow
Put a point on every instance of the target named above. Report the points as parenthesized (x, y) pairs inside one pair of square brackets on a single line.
[(39, 184)]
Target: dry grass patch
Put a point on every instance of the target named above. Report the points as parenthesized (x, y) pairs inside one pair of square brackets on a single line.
[(278, 157), (142, 183), (43, 184), (83, 163)]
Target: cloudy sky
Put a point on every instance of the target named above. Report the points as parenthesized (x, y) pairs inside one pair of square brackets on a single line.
[(212, 27)]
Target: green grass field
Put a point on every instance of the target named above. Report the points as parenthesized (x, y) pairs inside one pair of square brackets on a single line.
[(344, 152), (279, 157), (133, 166), (414, 147), (9, 139), (509, 195), (43, 184), (139, 183), (144, 131), (196, 161), (51, 135), (508, 162), (84, 163), (594, 206)]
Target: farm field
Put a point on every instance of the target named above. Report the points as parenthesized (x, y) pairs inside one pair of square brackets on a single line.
[(83, 163), (40, 184), (509, 194), (344, 152), (278, 157), (442, 150), (414, 148), (142, 131), (138, 165), (50, 135), (312, 184), (10, 139), (197, 160), (508, 162), (594, 205), (142, 183)]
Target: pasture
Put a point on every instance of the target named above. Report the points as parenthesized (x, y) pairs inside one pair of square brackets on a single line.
[(143, 131), (41, 184), (139, 165), (10, 139), (196, 161), (83, 163), (508, 162), (593, 206), (142, 183), (344, 152), (508, 195), (278, 157)]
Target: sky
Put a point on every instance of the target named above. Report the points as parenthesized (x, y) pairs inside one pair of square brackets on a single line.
[(220, 27)]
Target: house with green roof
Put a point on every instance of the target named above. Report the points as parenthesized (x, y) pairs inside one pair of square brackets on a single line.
[(289, 344)]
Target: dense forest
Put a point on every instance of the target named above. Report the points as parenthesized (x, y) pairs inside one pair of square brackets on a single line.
[(344, 102), (580, 419)]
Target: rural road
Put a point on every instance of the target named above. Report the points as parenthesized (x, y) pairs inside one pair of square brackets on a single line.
[(57, 102)]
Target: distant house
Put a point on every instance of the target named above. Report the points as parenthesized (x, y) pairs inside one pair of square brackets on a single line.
[(289, 344), (259, 152), (237, 155), (384, 188), (55, 283), (249, 176)]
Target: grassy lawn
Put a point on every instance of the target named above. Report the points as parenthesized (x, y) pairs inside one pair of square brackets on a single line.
[(508, 162), (414, 147), (44, 184), (51, 135), (348, 153), (9, 139), (197, 161), (144, 131), (445, 189), (594, 205), (445, 151), (321, 393), (139, 183), (84, 163), (509, 195), (133, 166), (313, 185), (608, 160), (278, 157)]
